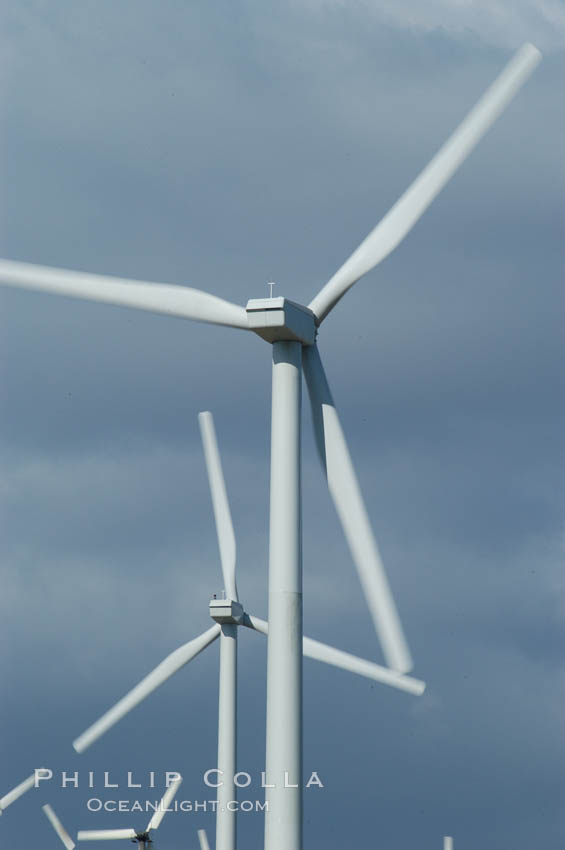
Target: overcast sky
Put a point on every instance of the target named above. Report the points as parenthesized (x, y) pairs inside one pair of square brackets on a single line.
[(221, 146)]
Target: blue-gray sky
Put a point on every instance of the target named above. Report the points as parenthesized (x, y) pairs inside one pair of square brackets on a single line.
[(220, 146)]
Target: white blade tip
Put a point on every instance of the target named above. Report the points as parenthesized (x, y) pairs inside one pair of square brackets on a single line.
[(58, 827), (105, 834), (203, 839), (164, 803), (24, 786)]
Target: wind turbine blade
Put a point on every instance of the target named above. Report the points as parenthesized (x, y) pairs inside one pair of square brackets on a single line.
[(166, 801), (17, 792), (400, 219), (58, 827), (105, 834), (348, 501), (203, 840), (155, 297), (346, 661), (158, 676), (222, 514)]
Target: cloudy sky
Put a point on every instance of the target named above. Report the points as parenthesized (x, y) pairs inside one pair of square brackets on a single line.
[(223, 145)]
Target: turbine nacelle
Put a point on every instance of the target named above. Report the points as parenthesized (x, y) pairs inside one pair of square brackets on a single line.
[(278, 320), (226, 611)]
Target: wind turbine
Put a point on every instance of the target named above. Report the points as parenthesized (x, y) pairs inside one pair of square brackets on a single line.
[(58, 827), (142, 837), (292, 329), (228, 614)]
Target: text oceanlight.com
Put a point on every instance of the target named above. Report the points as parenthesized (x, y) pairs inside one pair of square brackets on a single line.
[(95, 804)]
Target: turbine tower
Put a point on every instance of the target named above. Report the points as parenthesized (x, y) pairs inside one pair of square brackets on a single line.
[(291, 329)]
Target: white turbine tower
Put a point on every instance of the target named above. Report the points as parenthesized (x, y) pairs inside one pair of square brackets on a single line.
[(66, 839), (229, 614), (292, 330), (142, 837)]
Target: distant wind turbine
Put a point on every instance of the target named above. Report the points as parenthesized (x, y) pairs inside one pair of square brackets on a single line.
[(142, 837), (229, 614)]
